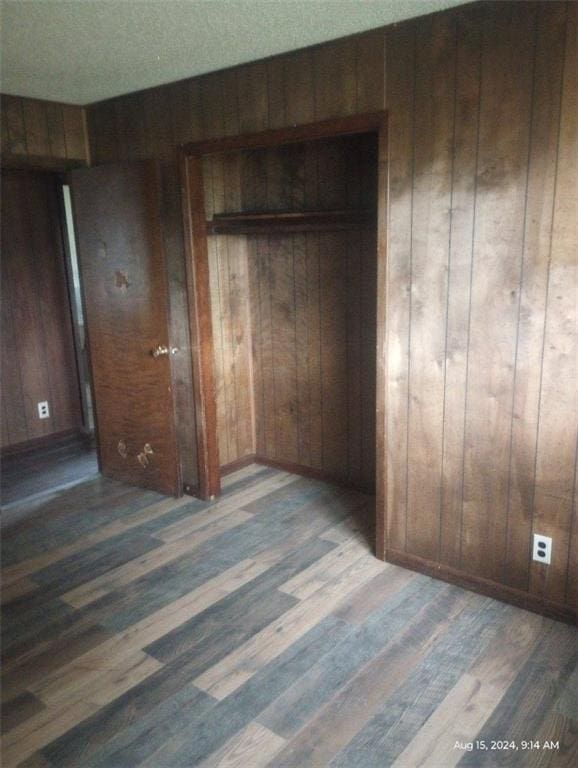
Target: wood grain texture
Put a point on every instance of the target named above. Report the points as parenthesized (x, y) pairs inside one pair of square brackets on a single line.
[(38, 362), (489, 163), (117, 210), (481, 228), (39, 133), (315, 650)]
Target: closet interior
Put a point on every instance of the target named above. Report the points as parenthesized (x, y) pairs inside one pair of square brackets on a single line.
[(292, 244)]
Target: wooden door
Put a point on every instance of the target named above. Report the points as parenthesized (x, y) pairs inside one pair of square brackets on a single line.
[(117, 216)]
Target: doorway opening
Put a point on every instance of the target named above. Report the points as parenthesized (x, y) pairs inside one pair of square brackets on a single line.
[(47, 433), (286, 242)]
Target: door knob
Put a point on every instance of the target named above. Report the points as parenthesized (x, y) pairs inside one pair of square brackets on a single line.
[(163, 350)]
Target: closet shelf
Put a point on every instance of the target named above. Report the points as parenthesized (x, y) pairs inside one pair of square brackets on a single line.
[(288, 221)]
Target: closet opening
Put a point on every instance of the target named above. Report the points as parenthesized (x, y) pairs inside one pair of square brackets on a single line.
[(286, 279)]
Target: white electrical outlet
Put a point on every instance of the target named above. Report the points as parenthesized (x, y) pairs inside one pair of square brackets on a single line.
[(542, 549), (43, 410)]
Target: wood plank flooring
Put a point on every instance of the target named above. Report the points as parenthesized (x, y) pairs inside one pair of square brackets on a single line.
[(42, 469), (259, 630)]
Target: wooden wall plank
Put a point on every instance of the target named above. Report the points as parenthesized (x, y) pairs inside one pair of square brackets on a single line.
[(314, 349), (276, 92), (254, 249), (37, 346), (400, 69), (14, 115), (253, 98), (231, 114), (370, 71), (548, 69), (434, 110), (241, 347), (212, 105), (506, 91), (36, 127), (264, 289), (74, 132), (220, 392), (333, 312), (464, 166), (355, 347), (557, 429), (299, 88), (513, 89), (283, 322), (368, 252), (55, 125), (53, 303), (335, 79)]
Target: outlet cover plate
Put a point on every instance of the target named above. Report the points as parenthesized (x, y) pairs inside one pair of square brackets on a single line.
[(542, 549)]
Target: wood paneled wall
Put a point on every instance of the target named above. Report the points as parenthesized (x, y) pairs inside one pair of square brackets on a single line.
[(294, 315), (482, 365), (231, 316), (313, 325), (37, 348), (42, 132), (482, 251)]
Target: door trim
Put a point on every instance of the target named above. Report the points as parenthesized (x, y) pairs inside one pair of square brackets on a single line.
[(199, 300)]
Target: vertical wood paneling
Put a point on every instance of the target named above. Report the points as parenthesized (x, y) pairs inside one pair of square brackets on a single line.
[(400, 69), (368, 395), (335, 79), (506, 90), (231, 115), (36, 127), (508, 356), (55, 123), (354, 350), (276, 93), (557, 427), (548, 66), (313, 311), (232, 332), (212, 105), (42, 130), (13, 116), (74, 132), (37, 348), (464, 166), (314, 349), (283, 322), (253, 98), (299, 88), (434, 102), (370, 64), (333, 342), (476, 170)]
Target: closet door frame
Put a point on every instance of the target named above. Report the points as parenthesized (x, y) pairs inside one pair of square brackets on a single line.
[(199, 299)]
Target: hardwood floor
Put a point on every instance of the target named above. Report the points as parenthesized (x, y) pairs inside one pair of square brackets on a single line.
[(43, 469), (259, 630)]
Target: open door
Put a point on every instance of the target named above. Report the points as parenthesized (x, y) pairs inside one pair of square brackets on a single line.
[(120, 247)]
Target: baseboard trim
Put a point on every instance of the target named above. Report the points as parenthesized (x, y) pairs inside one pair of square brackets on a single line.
[(241, 463), (316, 474), (46, 441), (483, 586)]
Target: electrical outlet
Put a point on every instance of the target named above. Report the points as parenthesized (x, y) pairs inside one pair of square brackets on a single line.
[(542, 549), (43, 410)]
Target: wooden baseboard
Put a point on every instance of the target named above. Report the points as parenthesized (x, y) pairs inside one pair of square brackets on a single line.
[(483, 586), (316, 474), (241, 463), (46, 441)]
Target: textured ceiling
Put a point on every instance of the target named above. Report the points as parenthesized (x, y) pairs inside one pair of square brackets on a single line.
[(81, 51)]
